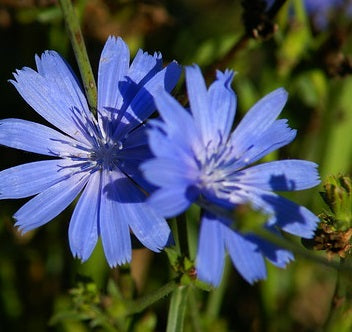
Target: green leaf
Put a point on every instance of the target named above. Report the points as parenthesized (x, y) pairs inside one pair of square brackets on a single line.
[(177, 309)]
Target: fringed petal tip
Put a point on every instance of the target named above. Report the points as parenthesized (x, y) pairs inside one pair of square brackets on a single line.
[(276, 255), (304, 227), (114, 39), (316, 172), (119, 261), (113, 47), (17, 75), (20, 227), (283, 259), (47, 53), (77, 255), (157, 55), (226, 76), (255, 280), (38, 59), (147, 58)]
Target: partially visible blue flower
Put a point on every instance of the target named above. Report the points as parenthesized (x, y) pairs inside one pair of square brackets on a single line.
[(198, 159), (321, 5), (97, 158), (321, 10)]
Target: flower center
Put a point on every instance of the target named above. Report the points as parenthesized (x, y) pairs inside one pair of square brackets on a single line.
[(217, 173), (102, 151), (106, 155)]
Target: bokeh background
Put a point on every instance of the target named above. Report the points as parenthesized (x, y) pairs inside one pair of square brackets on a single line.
[(43, 288)]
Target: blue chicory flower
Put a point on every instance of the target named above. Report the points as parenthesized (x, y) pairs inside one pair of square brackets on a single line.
[(98, 158), (198, 159)]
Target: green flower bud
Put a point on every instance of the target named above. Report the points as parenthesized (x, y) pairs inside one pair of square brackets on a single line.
[(338, 197)]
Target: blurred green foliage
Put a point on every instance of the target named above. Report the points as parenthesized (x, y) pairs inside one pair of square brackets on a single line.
[(44, 288)]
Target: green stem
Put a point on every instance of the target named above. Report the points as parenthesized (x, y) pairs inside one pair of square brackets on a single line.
[(182, 234), (174, 231), (147, 300), (194, 311), (79, 48), (177, 309), (192, 225), (339, 318)]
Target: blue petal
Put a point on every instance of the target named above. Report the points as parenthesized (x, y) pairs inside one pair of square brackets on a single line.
[(49, 203), (135, 147), (150, 229), (165, 172), (132, 169), (142, 105), (164, 147), (245, 256), (60, 75), (257, 120), (136, 150), (199, 102), (290, 217), (130, 164), (278, 256), (114, 218), (222, 104), (275, 137), (282, 175), (172, 113), (169, 202), (30, 179), (136, 137), (34, 137), (137, 153), (179, 126), (113, 66), (83, 229), (144, 66), (211, 250), (54, 92)]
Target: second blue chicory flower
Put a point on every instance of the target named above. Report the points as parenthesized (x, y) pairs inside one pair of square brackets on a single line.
[(198, 159)]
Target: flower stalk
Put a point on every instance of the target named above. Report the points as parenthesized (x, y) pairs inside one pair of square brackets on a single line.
[(339, 318), (177, 309), (79, 48)]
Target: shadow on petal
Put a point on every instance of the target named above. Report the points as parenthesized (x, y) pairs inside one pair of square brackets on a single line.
[(281, 183)]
